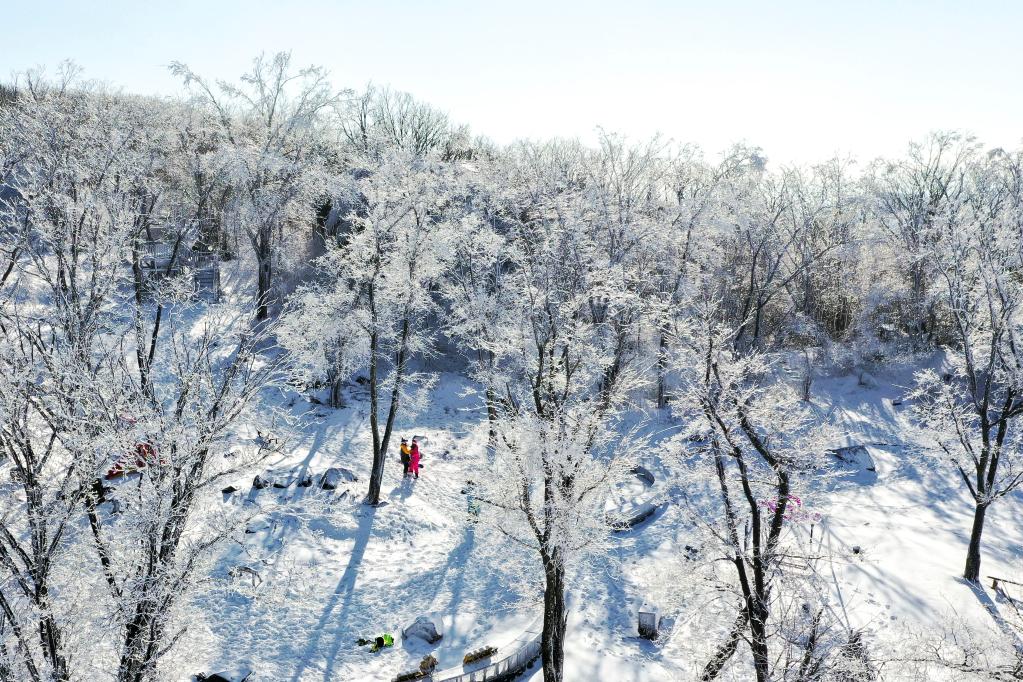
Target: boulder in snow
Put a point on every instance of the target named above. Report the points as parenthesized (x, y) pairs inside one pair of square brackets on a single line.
[(856, 464), (330, 479), (866, 379), (643, 474), (423, 628), (235, 675), (334, 476), (282, 480)]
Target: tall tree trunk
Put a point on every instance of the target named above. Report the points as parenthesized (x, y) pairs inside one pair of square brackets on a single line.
[(263, 289), (380, 442), (486, 358), (376, 476), (49, 634), (491, 419), (555, 621), (758, 639), (972, 572), (337, 399), (662, 369), (726, 650), (264, 282)]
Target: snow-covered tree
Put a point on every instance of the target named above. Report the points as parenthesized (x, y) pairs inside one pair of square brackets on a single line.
[(757, 440), (474, 290), (561, 450), (908, 194), (372, 307), (85, 393), (271, 125), (71, 202), (972, 412), (379, 120), (678, 231)]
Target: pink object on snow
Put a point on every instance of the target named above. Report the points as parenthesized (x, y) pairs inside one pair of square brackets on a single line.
[(413, 465)]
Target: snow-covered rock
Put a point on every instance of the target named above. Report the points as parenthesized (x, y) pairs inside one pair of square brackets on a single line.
[(866, 379), (423, 628), (234, 675), (282, 480), (643, 474), (855, 463), (263, 480), (335, 476), (276, 479)]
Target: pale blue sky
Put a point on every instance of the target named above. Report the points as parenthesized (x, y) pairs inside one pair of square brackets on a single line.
[(802, 79)]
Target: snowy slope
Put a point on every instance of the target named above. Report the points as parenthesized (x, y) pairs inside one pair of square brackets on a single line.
[(334, 570)]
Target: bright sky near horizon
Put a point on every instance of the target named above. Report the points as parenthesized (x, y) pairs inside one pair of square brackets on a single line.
[(804, 79)]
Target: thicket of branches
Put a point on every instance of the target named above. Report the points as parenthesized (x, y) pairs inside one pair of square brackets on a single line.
[(370, 232)]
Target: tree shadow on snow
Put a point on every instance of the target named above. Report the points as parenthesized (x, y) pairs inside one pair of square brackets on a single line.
[(403, 490), (340, 601), (460, 555), (989, 605)]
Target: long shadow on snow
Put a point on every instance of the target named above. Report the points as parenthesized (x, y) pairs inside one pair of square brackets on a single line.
[(459, 556), (989, 605), (402, 491), (343, 593)]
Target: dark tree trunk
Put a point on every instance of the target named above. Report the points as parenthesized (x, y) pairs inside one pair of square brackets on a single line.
[(486, 359), (972, 572), (726, 650), (50, 634), (337, 399), (263, 285), (555, 621), (491, 419), (758, 640), (662, 370), (376, 476), (380, 441)]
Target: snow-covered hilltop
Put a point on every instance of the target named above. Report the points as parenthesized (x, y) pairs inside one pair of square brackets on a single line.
[(303, 385)]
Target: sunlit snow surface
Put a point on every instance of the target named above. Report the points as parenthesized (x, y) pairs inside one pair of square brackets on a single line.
[(335, 572)]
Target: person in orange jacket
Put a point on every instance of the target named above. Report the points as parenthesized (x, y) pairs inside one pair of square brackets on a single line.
[(406, 457)]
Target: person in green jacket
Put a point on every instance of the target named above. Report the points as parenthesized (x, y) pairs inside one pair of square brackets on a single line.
[(379, 642)]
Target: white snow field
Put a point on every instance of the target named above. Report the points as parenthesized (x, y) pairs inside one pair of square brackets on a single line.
[(332, 570)]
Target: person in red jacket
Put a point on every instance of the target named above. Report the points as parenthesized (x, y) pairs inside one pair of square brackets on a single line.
[(414, 458)]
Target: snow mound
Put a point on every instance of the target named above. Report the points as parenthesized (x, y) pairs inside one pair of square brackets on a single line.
[(423, 628), (234, 675), (855, 464), (335, 476)]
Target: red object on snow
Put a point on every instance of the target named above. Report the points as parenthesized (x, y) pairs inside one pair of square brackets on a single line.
[(144, 455)]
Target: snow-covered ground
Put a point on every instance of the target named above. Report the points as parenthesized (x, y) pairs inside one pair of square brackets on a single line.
[(333, 570)]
